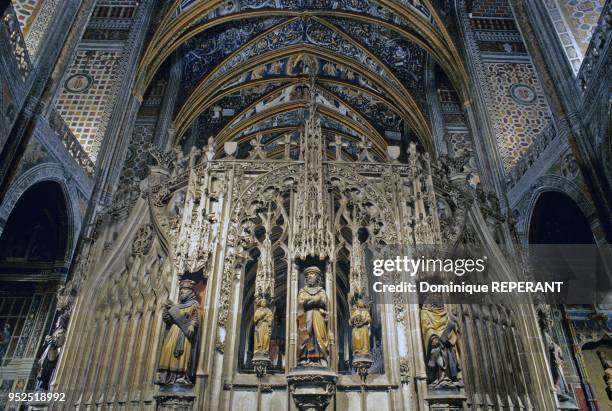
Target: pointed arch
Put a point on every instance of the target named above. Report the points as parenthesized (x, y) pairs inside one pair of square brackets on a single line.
[(408, 104), (172, 32), (365, 123)]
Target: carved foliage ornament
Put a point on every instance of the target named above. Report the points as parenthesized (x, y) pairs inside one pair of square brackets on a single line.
[(143, 240)]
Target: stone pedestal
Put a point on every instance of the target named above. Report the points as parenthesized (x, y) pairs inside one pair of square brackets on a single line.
[(446, 400), (175, 398), (261, 362), (38, 406), (312, 388), (362, 364), (567, 404)]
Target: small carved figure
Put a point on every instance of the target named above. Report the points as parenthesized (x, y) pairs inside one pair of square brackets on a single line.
[(365, 153), (555, 355), (262, 320), (313, 344), (194, 154), (258, 148), (440, 337), (338, 145), (210, 149), (5, 339), (178, 204), (179, 161), (50, 356), (177, 362), (556, 360), (360, 321)]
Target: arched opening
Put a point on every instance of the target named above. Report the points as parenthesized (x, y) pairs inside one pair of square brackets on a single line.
[(277, 327), (33, 248), (265, 280), (35, 235), (556, 219)]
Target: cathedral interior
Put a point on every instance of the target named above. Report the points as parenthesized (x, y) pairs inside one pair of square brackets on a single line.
[(187, 188)]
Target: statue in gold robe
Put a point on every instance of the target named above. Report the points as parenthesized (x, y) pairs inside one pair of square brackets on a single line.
[(177, 362), (440, 337), (360, 320), (262, 320), (313, 340)]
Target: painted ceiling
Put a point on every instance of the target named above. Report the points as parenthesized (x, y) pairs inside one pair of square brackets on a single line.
[(248, 68)]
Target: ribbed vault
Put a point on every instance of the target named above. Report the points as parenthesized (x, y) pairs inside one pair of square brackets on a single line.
[(247, 62)]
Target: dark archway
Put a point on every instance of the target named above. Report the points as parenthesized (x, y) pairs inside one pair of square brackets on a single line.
[(36, 232), (33, 249), (4, 4), (556, 219)]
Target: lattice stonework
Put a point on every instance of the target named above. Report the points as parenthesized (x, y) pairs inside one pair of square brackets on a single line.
[(135, 163), (518, 108), (87, 92), (459, 143)]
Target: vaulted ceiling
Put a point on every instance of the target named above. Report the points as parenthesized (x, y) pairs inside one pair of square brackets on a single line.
[(249, 66)]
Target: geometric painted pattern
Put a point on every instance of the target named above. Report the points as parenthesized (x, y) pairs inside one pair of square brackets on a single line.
[(518, 108), (86, 92), (572, 49), (574, 22), (582, 17), (26, 11)]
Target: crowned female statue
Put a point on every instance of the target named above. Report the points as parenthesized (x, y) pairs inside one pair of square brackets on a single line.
[(263, 327), (177, 363), (360, 320), (313, 341)]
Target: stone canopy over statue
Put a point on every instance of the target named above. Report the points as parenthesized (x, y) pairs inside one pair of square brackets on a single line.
[(177, 362), (312, 317)]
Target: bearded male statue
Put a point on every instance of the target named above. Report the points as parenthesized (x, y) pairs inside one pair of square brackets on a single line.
[(313, 340), (177, 362)]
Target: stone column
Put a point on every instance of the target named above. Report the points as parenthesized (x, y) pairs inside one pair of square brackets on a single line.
[(479, 123), (120, 125), (435, 110), (164, 120)]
